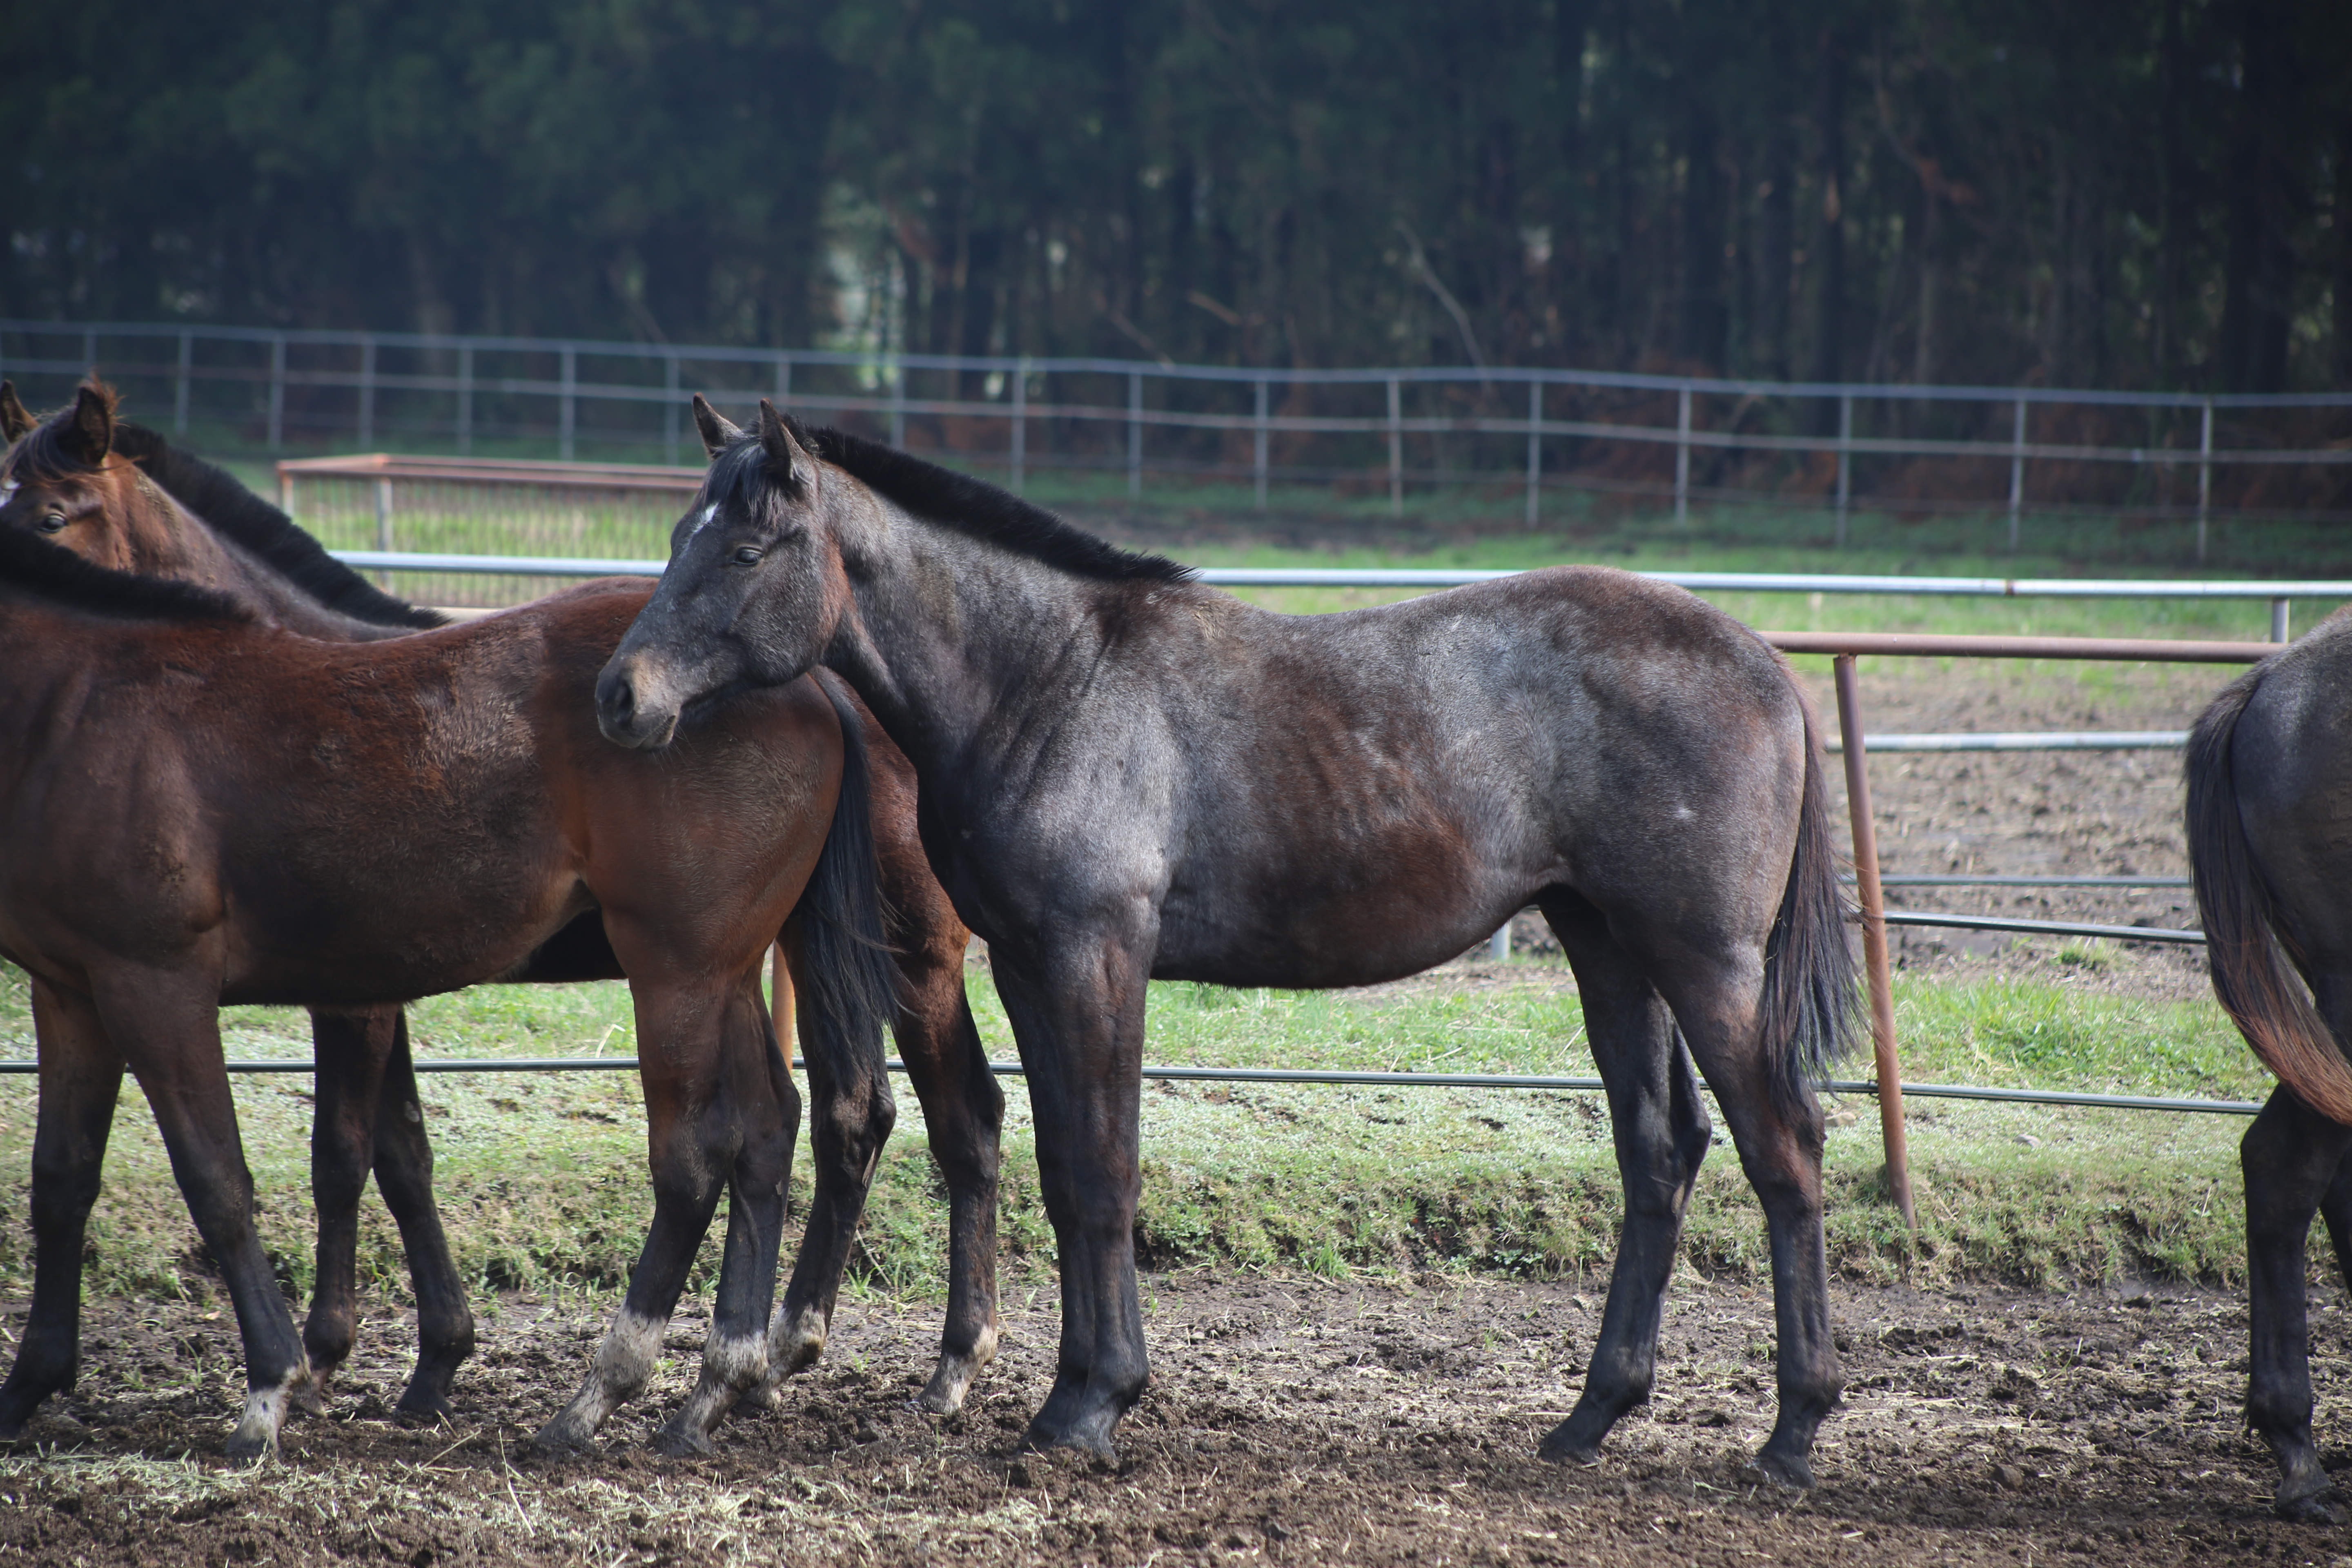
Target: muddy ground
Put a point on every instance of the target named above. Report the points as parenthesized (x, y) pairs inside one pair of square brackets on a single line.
[(1297, 1420), (1289, 1420)]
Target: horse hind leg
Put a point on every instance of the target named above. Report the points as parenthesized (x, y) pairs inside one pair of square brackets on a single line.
[(1778, 1131), (80, 1079), (351, 1048), (851, 1115), (404, 1174), (964, 1111), (1660, 1132), (2293, 1158)]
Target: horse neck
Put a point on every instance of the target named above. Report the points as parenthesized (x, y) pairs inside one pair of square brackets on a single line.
[(169, 541), (943, 630)]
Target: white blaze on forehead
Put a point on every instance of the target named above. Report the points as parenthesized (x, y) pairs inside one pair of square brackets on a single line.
[(8, 491), (709, 515)]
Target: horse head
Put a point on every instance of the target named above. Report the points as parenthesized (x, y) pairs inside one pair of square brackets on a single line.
[(754, 590), (64, 479)]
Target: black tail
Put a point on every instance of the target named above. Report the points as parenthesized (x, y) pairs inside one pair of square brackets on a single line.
[(1811, 1007), (2253, 977), (852, 984)]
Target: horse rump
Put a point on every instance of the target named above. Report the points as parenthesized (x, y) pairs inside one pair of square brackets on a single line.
[(2252, 961)]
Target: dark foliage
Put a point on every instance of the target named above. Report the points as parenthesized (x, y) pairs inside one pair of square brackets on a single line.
[(2110, 192)]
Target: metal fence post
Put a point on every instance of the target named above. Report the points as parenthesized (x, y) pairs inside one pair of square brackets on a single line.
[(1535, 450), (2016, 472), (783, 379), (1135, 435), (1020, 424), (90, 348), (277, 390), (367, 397), (466, 399), (285, 491), (1874, 944), (567, 415), (1396, 448), (1682, 458), (2278, 620), (1845, 461), (180, 385), (898, 405), (1257, 459), (2204, 477), (669, 411)]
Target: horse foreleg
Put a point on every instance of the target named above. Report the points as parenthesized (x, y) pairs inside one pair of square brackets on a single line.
[(1660, 1132), (735, 1355), (1078, 1018), (351, 1048), (80, 1079), (173, 1045), (851, 1115), (404, 1174), (2291, 1156)]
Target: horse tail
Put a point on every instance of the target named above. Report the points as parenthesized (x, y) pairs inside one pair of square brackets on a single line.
[(852, 982), (2249, 955), (1811, 1007)]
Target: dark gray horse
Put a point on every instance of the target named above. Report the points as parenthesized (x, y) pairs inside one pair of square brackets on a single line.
[(2270, 786), (1128, 776)]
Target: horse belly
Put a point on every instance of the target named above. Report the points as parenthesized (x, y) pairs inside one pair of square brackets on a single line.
[(1306, 923)]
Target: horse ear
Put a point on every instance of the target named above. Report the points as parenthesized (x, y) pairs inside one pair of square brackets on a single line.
[(16, 420), (716, 427), (90, 431), (793, 463)]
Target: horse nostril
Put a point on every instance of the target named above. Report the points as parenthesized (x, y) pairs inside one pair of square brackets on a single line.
[(624, 700)]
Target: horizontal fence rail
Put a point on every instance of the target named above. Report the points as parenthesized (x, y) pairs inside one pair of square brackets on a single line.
[(1666, 438), (1310, 1077)]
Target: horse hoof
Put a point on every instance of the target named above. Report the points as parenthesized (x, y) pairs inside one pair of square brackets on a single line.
[(559, 1440), (683, 1441), (1082, 1438), (426, 1409), (2305, 1504), (247, 1451), (1789, 1470), (1561, 1450)]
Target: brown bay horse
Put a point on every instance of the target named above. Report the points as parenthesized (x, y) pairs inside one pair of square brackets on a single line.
[(2269, 788), (1128, 776), (119, 495), (126, 499)]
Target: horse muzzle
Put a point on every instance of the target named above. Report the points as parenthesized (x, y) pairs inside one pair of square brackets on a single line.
[(631, 711)]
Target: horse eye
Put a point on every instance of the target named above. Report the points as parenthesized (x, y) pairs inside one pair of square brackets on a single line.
[(54, 523), (749, 555)]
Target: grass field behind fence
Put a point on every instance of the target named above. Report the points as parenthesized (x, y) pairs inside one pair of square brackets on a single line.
[(543, 1176)]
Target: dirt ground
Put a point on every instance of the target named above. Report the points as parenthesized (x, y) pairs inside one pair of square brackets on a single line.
[(1291, 1420), (1301, 1420)]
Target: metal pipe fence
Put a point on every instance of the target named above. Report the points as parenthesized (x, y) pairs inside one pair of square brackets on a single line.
[(1662, 438), (1565, 1084)]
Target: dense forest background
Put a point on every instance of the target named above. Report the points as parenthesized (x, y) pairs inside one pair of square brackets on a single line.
[(2123, 193)]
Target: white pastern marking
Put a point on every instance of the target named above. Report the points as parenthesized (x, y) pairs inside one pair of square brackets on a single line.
[(737, 1360), (625, 1360)]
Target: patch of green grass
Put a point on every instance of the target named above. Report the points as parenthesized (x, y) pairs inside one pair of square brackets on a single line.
[(543, 1177)]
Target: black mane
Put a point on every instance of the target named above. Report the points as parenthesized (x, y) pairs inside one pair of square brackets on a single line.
[(954, 501), (236, 513), (31, 563)]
